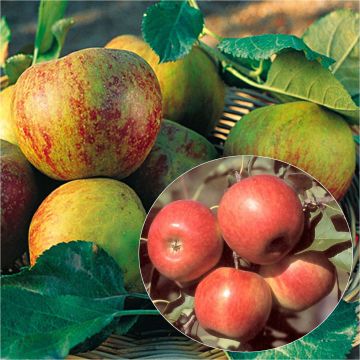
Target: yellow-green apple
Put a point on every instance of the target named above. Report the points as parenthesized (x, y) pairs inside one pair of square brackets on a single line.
[(303, 134), (19, 196), (261, 218), (94, 112), (233, 303), (7, 131), (176, 150), (184, 241), (105, 211), (193, 92), (300, 281)]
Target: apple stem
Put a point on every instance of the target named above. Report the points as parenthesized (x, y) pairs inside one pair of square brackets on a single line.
[(282, 175), (251, 164), (236, 260), (189, 324), (238, 176), (242, 165)]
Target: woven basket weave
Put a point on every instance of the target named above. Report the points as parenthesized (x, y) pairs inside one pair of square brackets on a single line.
[(162, 345)]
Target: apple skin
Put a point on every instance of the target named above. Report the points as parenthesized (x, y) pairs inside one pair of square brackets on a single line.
[(105, 211), (184, 241), (303, 134), (176, 150), (233, 303), (19, 198), (7, 131), (95, 112), (261, 218), (193, 92), (300, 281)]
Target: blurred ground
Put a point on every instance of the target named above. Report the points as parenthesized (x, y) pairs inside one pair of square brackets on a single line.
[(99, 21)]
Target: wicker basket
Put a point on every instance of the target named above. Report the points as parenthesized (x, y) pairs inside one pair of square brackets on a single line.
[(176, 346)]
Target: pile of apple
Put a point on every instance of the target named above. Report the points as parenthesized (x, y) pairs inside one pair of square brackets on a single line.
[(84, 147), (261, 219), (85, 138)]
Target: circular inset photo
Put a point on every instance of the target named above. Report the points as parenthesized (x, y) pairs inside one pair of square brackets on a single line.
[(245, 253)]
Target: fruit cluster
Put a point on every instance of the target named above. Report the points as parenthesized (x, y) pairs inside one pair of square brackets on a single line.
[(261, 219), (92, 118)]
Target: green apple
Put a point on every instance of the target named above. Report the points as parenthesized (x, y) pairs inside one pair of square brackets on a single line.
[(176, 150), (7, 131), (193, 92), (105, 211), (303, 134)]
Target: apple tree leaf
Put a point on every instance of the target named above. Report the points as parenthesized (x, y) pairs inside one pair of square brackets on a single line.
[(262, 47), (186, 305), (337, 36), (328, 234), (49, 13), (76, 275), (294, 77), (171, 28), (16, 65), (5, 37), (59, 31), (39, 326), (331, 340), (81, 269)]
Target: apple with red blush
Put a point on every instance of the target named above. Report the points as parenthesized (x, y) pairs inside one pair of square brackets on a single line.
[(261, 218), (300, 281), (233, 303), (184, 240)]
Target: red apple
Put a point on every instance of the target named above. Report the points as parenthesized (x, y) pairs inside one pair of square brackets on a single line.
[(233, 303), (19, 196), (301, 280), (184, 241), (261, 218), (93, 113)]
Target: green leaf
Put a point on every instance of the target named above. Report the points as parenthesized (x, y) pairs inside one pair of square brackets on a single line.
[(5, 37), (262, 47), (291, 75), (337, 35), (186, 306), (171, 28), (331, 340), (49, 13), (59, 31), (38, 326), (72, 296), (76, 268), (326, 235), (16, 65)]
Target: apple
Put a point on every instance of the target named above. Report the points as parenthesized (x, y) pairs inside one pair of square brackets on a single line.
[(300, 281), (184, 241), (303, 134), (176, 150), (95, 112), (105, 211), (19, 196), (7, 131), (261, 218), (193, 92), (233, 303)]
